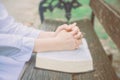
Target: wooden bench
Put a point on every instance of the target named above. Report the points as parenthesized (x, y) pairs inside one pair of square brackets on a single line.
[(103, 69)]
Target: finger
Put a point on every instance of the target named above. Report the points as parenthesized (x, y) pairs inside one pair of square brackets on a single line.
[(78, 43), (74, 31), (72, 25), (76, 27), (66, 27), (62, 27), (82, 35), (78, 36)]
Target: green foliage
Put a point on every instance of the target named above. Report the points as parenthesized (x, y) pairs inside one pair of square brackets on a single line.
[(56, 14), (103, 35), (76, 14), (81, 13), (110, 1), (111, 44), (84, 2), (54, 3), (100, 31)]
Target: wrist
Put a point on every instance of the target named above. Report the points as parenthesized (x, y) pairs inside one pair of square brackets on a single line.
[(43, 35), (35, 49), (52, 34), (49, 44)]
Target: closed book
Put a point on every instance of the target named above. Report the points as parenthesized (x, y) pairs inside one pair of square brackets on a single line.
[(73, 61)]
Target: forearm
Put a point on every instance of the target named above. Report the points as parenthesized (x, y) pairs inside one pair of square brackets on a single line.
[(49, 44), (45, 34)]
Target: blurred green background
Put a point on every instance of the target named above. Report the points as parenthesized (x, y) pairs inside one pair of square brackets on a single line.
[(81, 13)]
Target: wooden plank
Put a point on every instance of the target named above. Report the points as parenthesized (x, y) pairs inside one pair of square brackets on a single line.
[(102, 66), (109, 18), (32, 73)]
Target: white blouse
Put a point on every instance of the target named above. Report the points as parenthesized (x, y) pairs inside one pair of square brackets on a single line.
[(16, 45)]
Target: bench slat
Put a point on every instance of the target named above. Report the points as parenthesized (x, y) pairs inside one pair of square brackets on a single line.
[(109, 18), (102, 66)]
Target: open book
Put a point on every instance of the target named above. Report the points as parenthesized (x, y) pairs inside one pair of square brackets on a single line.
[(74, 61)]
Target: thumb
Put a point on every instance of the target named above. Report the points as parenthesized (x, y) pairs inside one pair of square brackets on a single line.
[(72, 25)]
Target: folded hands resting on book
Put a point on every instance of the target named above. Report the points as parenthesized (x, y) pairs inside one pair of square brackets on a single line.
[(66, 37)]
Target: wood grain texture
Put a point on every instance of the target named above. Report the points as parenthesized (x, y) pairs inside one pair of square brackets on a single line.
[(109, 18), (102, 66)]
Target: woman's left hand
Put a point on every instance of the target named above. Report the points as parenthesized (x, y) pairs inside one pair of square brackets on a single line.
[(72, 28)]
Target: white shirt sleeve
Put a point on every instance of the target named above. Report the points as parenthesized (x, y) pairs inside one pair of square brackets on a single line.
[(9, 26), (10, 69), (17, 47)]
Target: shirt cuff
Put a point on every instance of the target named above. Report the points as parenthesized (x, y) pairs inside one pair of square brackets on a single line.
[(26, 50)]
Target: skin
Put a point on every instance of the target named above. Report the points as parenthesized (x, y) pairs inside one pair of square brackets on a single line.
[(66, 37)]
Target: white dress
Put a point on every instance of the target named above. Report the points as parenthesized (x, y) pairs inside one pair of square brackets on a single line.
[(16, 45)]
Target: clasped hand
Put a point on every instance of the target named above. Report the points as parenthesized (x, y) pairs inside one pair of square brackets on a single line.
[(70, 35), (66, 37)]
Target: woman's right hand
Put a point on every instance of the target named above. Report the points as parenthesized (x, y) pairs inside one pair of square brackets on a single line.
[(67, 41)]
